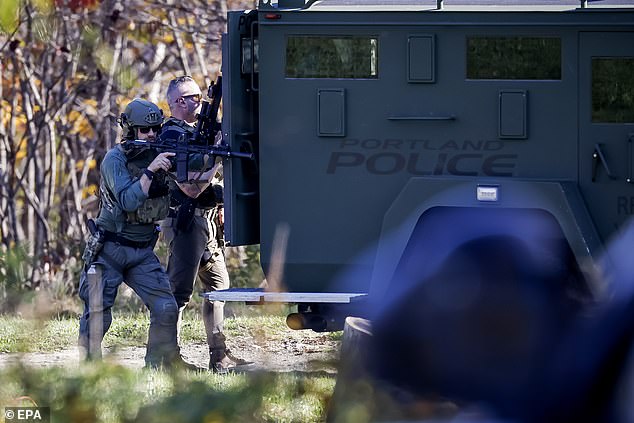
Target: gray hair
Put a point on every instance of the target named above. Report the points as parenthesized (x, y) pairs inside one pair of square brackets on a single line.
[(173, 86)]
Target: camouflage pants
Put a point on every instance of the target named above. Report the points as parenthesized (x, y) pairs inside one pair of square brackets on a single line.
[(195, 253), (141, 271)]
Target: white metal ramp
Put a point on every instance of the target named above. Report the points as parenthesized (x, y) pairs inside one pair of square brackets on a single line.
[(259, 295)]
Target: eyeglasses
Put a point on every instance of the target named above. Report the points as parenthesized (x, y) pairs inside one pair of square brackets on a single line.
[(195, 97), (146, 129)]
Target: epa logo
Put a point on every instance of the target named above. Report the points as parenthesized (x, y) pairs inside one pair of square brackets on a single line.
[(27, 414)]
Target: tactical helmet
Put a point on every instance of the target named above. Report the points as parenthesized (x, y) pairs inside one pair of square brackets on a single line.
[(139, 113)]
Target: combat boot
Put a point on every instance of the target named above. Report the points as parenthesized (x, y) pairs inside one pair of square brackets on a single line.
[(222, 361), (180, 363), (171, 361)]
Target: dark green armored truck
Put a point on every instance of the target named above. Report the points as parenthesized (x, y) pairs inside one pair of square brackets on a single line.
[(380, 124)]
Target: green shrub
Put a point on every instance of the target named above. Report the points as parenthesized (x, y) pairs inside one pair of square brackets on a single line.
[(15, 265), (99, 392)]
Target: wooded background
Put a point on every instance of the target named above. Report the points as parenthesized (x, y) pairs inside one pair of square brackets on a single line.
[(67, 69)]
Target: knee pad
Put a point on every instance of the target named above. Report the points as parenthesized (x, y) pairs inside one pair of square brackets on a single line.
[(166, 312)]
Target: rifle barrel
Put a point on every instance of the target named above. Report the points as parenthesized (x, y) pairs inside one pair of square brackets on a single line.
[(173, 146)]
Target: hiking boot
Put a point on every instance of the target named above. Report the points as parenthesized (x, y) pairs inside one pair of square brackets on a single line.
[(223, 361), (177, 362), (238, 361)]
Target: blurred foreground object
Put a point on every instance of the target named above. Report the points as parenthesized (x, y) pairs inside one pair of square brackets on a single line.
[(506, 338)]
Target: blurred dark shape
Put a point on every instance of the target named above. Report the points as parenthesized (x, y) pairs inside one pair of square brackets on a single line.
[(440, 231), (114, 16), (586, 375), (617, 266), (501, 320), (484, 322)]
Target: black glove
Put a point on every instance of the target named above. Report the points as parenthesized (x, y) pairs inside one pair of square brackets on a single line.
[(158, 188)]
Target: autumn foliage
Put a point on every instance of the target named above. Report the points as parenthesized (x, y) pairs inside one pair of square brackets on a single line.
[(77, 5), (67, 68)]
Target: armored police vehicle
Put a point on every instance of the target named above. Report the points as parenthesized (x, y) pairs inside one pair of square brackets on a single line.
[(393, 129)]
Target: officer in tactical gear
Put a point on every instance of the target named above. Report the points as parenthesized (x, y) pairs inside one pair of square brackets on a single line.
[(135, 196), (194, 232)]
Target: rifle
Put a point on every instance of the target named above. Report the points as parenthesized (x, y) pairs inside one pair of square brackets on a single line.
[(207, 126), (190, 148)]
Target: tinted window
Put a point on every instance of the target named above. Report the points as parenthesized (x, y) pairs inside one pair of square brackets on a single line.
[(613, 90), (513, 58), (331, 57)]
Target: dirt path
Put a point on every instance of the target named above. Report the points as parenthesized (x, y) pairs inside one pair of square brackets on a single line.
[(307, 352)]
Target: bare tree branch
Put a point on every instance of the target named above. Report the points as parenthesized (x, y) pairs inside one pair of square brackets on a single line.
[(64, 76)]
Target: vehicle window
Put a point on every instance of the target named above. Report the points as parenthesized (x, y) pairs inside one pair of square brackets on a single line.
[(513, 58), (613, 90), (331, 57)]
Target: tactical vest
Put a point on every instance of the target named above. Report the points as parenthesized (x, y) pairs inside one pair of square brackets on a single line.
[(154, 208)]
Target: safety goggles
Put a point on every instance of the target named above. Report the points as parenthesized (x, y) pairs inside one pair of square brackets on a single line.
[(146, 129)]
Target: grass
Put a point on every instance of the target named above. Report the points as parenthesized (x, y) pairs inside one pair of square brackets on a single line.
[(102, 392), (110, 393), (130, 330), (22, 335)]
